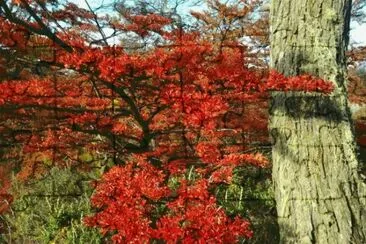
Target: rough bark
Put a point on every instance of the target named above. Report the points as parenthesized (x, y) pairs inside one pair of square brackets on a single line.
[(320, 195)]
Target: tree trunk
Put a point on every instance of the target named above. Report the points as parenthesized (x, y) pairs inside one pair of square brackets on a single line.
[(320, 195)]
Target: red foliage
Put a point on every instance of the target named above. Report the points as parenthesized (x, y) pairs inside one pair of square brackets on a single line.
[(194, 217), (127, 195), (277, 81), (130, 193), (5, 183)]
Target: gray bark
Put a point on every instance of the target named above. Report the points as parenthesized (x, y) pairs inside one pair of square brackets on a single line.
[(319, 192)]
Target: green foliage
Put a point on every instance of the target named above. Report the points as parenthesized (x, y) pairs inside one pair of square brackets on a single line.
[(249, 185), (51, 210), (251, 195)]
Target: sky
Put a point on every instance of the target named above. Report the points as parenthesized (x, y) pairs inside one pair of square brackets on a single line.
[(357, 34)]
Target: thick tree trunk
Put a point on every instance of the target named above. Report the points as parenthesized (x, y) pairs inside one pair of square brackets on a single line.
[(320, 195)]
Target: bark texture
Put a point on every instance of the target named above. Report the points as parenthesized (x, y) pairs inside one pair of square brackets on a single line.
[(320, 195)]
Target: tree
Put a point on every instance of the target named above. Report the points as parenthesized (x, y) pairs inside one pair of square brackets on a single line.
[(319, 192), (156, 114)]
